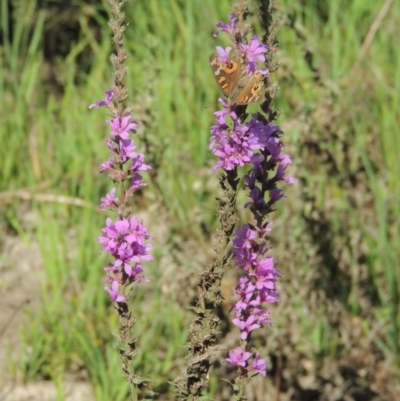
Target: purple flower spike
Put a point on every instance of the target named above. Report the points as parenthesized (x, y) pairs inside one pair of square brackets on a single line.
[(124, 237), (255, 144)]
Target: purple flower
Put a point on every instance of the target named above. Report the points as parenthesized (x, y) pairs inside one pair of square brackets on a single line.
[(124, 239), (121, 127), (246, 325), (113, 292), (223, 54), (246, 258), (265, 274), (138, 232), (261, 316), (244, 237), (245, 290), (268, 296), (276, 194), (103, 103), (257, 199), (229, 28), (253, 52), (220, 130), (258, 365), (221, 115), (126, 150), (246, 248), (289, 180), (238, 357), (261, 130), (234, 147), (136, 182), (274, 147), (138, 163), (285, 159), (250, 182), (106, 166), (230, 157), (280, 173), (264, 229), (126, 255), (112, 273), (109, 200), (138, 269)]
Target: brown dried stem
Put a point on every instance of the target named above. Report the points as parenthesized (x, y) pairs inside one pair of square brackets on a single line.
[(201, 347)]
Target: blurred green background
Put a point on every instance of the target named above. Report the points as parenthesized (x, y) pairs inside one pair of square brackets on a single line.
[(335, 237)]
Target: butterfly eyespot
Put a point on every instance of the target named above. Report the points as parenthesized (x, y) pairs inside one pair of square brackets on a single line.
[(230, 67), (255, 88)]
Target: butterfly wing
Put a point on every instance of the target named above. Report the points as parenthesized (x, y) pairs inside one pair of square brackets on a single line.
[(227, 75), (249, 89)]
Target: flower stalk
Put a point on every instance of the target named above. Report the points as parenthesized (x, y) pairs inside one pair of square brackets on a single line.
[(124, 238), (252, 142)]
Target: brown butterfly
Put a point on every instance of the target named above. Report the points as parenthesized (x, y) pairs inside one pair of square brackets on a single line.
[(240, 86)]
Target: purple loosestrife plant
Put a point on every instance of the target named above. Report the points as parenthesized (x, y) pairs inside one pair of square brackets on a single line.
[(124, 237), (253, 143)]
